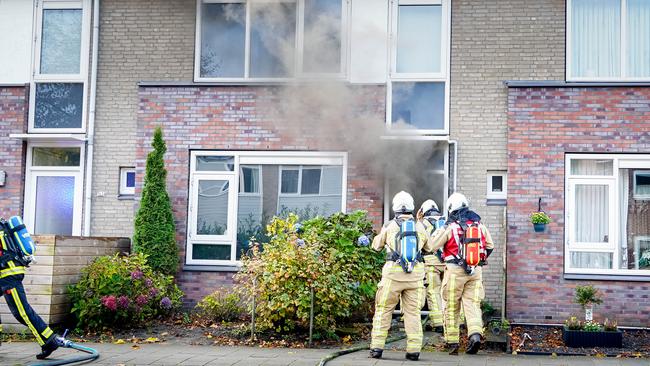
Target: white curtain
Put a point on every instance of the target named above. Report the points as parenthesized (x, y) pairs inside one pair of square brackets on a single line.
[(592, 213), (591, 260), (638, 38), (595, 38), (624, 179)]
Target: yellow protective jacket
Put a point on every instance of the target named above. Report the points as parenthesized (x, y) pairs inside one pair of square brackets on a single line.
[(386, 240), (9, 268), (430, 258)]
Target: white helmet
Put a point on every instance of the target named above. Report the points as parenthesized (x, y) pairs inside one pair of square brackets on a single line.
[(403, 202), (429, 205), (456, 201)]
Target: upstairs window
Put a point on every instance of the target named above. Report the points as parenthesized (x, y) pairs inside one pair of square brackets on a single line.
[(270, 39), (608, 40)]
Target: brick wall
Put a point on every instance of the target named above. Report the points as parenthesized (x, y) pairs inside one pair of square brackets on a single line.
[(14, 103), (493, 41), (238, 118), (139, 40), (543, 125)]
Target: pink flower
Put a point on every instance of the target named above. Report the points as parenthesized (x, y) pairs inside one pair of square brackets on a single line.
[(148, 282), (110, 302), (137, 274), (153, 292), (123, 302), (141, 300)]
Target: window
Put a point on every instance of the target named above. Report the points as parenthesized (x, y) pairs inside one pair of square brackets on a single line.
[(419, 86), (607, 218), (127, 181), (642, 185), (271, 39), (608, 40), (53, 187), (58, 86), (497, 185), (221, 221)]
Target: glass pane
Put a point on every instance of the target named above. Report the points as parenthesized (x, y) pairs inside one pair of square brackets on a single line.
[(634, 224), (61, 41), (213, 252), (58, 105), (419, 35), (642, 184), (212, 214), (290, 181), (638, 38), (56, 156), (592, 213), (310, 181), (215, 163), (322, 38), (223, 40), (497, 183), (592, 167), (273, 39), (591, 260), (130, 179), (250, 180), (54, 209), (420, 105), (595, 37)]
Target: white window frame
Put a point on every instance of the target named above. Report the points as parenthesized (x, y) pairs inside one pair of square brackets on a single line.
[(299, 191), (639, 197), (124, 190), (440, 77), (623, 50), (504, 191), (613, 246), (258, 158), (33, 172), (80, 78), (299, 45)]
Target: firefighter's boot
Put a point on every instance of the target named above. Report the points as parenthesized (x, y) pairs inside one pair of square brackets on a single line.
[(474, 344), (376, 353), (413, 356)]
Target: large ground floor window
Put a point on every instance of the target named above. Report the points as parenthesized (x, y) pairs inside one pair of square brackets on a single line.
[(233, 195), (608, 214)]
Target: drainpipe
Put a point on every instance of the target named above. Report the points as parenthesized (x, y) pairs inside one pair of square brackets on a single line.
[(90, 136), (505, 265)]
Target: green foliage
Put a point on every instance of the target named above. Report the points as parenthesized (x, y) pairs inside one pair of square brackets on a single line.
[(221, 305), (325, 256), (154, 223), (610, 326), (573, 323), (122, 291), (539, 218), (591, 326), (644, 261), (487, 308), (504, 324), (587, 295)]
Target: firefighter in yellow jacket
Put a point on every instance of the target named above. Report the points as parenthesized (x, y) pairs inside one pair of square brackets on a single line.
[(466, 245), (402, 277), (430, 216)]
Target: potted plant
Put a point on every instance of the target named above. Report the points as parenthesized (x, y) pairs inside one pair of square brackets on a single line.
[(586, 297), (591, 334), (539, 220)]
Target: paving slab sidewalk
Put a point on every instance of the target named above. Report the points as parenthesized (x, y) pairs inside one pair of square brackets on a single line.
[(22, 353)]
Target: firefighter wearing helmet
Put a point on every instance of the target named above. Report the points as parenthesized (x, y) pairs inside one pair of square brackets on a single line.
[(402, 278), (466, 245), (434, 267)]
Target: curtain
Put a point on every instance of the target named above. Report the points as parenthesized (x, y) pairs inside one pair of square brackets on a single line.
[(638, 38), (624, 179), (592, 167), (592, 213), (595, 38), (591, 260)]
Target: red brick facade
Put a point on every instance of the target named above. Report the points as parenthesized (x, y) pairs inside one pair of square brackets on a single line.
[(13, 119), (239, 118), (543, 125)]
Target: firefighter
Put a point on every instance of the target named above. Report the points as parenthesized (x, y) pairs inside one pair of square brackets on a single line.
[(431, 218), (11, 284), (402, 277), (466, 245)]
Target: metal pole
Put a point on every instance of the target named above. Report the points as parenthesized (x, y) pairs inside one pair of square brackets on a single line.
[(253, 309), (311, 316)]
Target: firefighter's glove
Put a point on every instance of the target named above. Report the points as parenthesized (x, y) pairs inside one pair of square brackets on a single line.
[(483, 262)]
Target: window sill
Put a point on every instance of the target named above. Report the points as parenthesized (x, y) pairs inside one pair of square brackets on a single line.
[(496, 202), (608, 277), (126, 197), (209, 268)]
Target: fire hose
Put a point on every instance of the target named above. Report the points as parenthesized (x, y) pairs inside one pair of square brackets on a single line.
[(91, 354)]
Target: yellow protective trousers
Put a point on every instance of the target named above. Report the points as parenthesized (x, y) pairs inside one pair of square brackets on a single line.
[(460, 288), (412, 296), (434, 298)]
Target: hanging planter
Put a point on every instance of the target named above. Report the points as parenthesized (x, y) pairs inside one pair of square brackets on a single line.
[(539, 221)]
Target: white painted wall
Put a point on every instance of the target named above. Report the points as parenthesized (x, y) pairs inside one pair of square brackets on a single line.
[(16, 19), (369, 41)]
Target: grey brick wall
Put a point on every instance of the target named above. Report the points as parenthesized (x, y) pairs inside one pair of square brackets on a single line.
[(493, 41), (139, 40)]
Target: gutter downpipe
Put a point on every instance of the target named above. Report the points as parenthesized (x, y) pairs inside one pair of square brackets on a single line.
[(90, 136)]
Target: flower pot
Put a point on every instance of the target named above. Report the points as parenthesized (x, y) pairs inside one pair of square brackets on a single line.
[(539, 228), (579, 338)]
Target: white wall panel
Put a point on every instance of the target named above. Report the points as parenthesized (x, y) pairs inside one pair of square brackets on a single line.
[(369, 41), (16, 18)]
